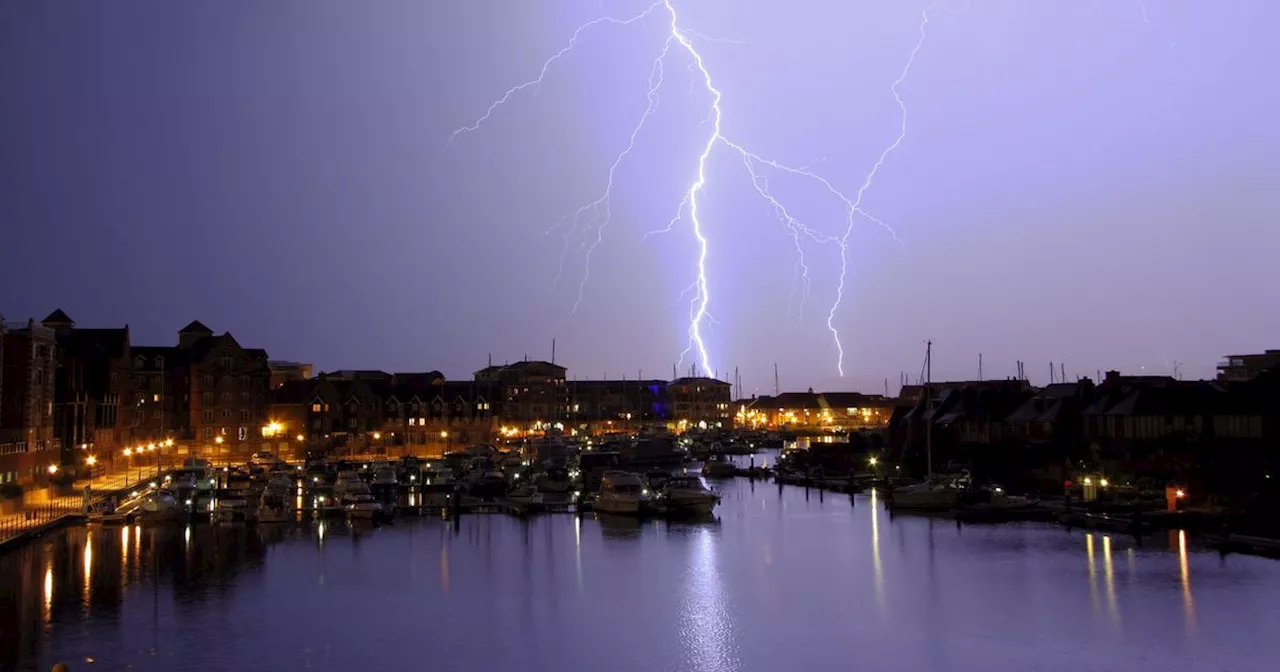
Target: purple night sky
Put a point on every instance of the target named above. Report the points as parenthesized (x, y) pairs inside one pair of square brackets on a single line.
[(1087, 181)]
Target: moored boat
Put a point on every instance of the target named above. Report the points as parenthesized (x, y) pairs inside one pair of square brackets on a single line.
[(687, 495), (621, 493)]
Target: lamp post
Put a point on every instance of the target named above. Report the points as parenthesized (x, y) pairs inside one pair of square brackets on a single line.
[(91, 460), (128, 456)]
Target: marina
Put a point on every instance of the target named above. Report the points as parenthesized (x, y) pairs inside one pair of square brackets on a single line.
[(778, 578)]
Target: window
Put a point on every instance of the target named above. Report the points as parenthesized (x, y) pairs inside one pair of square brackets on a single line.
[(206, 381), (317, 423), (226, 414), (422, 422), (226, 361), (206, 398), (244, 397), (315, 408), (244, 415), (207, 432), (354, 407), (160, 362), (351, 423), (155, 397), (413, 422), (226, 397), (243, 433), (207, 416)]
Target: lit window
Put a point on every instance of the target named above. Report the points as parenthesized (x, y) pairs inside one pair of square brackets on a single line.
[(315, 408), (413, 422), (155, 397), (243, 433)]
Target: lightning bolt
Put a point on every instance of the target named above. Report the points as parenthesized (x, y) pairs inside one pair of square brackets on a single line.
[(1164, 32), (866, 184), (596, 215)]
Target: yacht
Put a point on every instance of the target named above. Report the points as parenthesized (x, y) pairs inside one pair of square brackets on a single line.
[(161, 507), (233, 507), (360, 505), (933, 494), (688, 495), (385, 475), (525, 495), (276, 503), (930, 495), (719, 468), (621, 492)]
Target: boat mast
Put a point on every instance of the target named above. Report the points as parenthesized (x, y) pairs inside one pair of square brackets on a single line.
[(928, 395)]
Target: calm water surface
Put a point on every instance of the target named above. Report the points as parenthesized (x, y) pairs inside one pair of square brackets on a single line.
[(784, 580)]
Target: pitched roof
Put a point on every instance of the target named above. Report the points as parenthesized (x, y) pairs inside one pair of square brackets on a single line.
[(196, 327), (688, 380), (58, 317)]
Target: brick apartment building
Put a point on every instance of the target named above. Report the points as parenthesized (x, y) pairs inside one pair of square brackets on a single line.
[(28, 447)]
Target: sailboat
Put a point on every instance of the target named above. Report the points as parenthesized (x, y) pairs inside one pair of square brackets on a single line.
[(931, 495)]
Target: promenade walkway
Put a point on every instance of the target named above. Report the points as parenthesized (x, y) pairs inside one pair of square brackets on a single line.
[(35, 515)]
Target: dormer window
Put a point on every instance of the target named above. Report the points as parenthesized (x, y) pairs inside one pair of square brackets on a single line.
[(160, 362), (140, 361)]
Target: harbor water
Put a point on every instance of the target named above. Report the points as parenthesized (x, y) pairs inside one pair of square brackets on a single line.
[(783, 579)]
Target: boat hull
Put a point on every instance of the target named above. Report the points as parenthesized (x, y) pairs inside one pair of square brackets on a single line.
[(618, 506)]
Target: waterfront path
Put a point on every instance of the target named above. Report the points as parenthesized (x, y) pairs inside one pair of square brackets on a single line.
[(36, 515)]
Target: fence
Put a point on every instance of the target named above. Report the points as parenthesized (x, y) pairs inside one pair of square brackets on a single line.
[(15, 524)]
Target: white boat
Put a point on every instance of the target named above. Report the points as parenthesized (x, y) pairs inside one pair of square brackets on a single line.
[(719, 469), (385, 475), (525, 495), (234, 508), (161, 506), (361, 506), (927, 496), (276, 503), (931, 495), (348, 481), (622, 493), (689, 496)]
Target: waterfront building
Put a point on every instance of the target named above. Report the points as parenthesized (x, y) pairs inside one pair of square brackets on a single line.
[(29, 450), (597, 406), (1242, 368), (531, 393), (91, 378), (207, 395), (699, 402), (816, 411)]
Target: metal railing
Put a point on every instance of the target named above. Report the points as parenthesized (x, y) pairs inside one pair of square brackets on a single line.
[(32, 517)]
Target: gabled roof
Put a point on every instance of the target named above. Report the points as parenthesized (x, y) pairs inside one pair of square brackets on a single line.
[(196, 327), (58, 317), (704, 380)]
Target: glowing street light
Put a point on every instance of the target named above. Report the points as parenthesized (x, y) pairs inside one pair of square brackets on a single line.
[(300, 438), (53, 469), (91, 460), (874, 461)]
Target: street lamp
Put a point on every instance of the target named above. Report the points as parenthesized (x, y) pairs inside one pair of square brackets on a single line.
[(53, 469), (128, 454)]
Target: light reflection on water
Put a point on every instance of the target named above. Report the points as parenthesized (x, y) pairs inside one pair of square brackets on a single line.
[(781, 581)]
